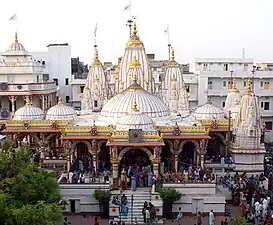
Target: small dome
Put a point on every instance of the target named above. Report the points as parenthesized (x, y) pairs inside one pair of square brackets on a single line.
[(209, 111), (120, 104), (28, 112), (135, 120), (61, 112), (16, 46)]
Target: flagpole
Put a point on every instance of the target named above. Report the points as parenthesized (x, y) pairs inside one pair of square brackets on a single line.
[(95, 34)]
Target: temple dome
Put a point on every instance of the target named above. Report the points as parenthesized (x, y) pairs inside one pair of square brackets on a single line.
[(232, 98), (28, 112), (120, 105), (61, 112), (16, 49), (135, 120), (209, 111)]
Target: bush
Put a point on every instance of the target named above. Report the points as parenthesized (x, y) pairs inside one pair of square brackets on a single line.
[(169, 194), (102, 196), (237, 220)]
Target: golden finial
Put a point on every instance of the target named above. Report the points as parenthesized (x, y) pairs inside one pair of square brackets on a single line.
[(28, 102), (135, 109), (97, 78), (134, 30), (173, 62), (134, 78), (96, 59), (174, 78), (134, 62), (16, 37), (249, 87), (233, 86), (60, 102)]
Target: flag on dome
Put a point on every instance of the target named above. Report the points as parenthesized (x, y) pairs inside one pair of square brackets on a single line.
[(96, 28), (13, 18)]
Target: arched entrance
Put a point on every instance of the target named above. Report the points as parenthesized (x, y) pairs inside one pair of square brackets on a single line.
[(215, 149), (135, 157), (104, 161), (167, 158), (187, 155)]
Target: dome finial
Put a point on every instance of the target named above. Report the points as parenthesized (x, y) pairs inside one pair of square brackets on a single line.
[(249, 87), (16, 38), (173, 62), (134, 78), (96, 59), (28, 102), (135, 109), (134, 29), (60, 102), (134, 62)]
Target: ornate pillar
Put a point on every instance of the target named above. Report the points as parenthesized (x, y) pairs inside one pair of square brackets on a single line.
[(114, 161), (156, 160), (176, 162), (202, 151), (42, 97), (94, 152), (12, 99)]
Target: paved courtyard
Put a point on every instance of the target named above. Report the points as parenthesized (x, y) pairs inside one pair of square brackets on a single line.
[(80, 220)]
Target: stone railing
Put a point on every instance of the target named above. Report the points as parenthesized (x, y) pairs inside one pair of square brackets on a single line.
[(31, 87)]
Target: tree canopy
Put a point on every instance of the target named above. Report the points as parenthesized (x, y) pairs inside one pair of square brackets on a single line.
[(28, 194)]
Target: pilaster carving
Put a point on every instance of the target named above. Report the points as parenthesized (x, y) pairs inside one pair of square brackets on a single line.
[(203, 147), (114, 154)]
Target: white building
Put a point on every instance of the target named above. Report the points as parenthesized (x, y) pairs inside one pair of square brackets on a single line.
[(214, 80), (56, 66), (22, 80)]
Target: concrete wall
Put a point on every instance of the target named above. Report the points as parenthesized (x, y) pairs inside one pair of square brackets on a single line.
[(83, 195)]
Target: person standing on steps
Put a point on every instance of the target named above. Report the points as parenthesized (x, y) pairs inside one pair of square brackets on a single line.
[(96, 221), (211, 218), (199, 218), (148, 217), (144, 211)]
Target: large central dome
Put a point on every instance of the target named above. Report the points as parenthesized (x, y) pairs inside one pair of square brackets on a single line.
[(120, 105)]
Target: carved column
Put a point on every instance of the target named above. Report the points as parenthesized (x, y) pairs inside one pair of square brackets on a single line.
[(42, 97), (156, 160), (176, 162), (94, 154), (12, 99), (202, 151), (114, 161)]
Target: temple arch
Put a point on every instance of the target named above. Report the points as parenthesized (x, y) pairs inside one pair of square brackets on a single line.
[(181, 145), (216, 148), (127, 149), (187, 154)]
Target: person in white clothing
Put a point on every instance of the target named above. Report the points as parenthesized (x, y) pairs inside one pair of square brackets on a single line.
[(257, 209)]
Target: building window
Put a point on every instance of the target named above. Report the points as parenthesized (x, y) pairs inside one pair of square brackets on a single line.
[(209, 84), (187, 87), (199, 64), (268, 125), (95, 103), (223, 104), (224, 83), (262, 104), (67, 99), (66, 81), (82, 88), (266, 105), (245, 83), (225, 67), (262, 83), (205, 66), (266, 85), (56, 81), (245, 67)]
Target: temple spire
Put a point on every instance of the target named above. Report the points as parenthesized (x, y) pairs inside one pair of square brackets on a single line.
[(249, 87), (16, 38), (173, 62)]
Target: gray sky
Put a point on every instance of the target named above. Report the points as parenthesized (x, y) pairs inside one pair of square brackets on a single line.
[(198, 28)]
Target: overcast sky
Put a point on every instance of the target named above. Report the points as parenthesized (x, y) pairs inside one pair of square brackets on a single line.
[(198, 28)]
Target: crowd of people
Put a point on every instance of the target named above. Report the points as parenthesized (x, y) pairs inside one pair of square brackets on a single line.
[(135, 176), (123, 205), (189, 174)]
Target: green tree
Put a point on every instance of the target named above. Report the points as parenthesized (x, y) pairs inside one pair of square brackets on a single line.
[(29, 194)]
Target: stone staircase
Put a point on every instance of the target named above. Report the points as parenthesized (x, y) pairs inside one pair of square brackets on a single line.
[(135, 209)]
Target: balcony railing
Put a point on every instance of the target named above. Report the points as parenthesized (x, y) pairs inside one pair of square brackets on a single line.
[(31, 87)]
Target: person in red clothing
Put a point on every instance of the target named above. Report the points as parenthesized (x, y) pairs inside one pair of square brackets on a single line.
[(96, 221)]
